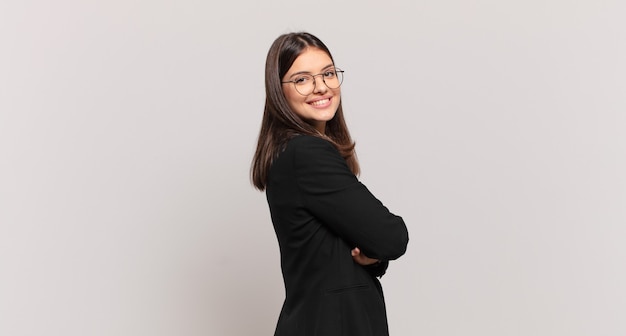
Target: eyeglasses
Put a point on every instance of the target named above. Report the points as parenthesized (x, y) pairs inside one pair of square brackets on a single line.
[(305, 84)]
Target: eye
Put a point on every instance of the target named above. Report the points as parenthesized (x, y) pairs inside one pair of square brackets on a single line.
[(330, 74), (302, 80)]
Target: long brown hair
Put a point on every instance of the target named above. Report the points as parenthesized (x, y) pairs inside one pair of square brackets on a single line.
[(280, 123)]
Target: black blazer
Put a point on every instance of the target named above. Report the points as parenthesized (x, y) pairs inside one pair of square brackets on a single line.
[(320, 212)]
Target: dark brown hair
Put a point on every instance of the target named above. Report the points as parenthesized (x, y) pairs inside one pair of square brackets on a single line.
[(280, 123)]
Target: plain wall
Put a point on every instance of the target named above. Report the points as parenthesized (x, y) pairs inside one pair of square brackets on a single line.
[(495, 128)]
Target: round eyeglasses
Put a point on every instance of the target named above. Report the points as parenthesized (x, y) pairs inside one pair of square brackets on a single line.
[(305, 83)]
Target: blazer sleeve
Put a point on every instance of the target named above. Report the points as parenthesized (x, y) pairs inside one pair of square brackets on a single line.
[(377, 269), (332, 193)]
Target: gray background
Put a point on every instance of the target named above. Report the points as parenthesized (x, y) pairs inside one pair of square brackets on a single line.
[(495, 128)]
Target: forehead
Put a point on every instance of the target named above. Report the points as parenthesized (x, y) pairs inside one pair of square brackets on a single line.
[(310, 60)]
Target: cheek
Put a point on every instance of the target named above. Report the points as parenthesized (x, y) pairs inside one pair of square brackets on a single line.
[(337, 93), (292, 99)]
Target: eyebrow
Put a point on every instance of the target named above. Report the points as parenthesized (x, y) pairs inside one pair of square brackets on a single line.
[(308, 72)]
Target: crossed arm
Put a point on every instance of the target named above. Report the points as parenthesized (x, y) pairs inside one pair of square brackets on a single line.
[(335, 196), (361, 258)]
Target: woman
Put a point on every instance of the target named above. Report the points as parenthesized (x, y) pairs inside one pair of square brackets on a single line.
[(334, 236)]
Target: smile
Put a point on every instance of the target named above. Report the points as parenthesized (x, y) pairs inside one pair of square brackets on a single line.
[(320, 103)]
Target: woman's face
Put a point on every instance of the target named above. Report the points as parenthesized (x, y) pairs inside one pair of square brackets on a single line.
[(320, 105)]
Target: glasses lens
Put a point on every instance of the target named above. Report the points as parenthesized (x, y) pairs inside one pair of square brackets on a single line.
[(333, 78), (304, 84)]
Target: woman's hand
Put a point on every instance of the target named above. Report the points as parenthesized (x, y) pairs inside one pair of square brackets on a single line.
[(361, 258)]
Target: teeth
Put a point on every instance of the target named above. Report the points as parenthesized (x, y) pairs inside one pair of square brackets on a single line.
[(320, 102)]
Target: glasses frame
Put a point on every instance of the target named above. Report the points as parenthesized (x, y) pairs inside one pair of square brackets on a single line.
[(337, 71)]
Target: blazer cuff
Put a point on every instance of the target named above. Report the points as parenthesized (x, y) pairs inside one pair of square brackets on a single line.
[(378, 269)]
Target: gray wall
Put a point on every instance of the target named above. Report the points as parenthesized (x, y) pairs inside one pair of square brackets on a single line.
[(495, 128)]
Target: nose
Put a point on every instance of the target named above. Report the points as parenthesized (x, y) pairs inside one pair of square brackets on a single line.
[(320, 85)]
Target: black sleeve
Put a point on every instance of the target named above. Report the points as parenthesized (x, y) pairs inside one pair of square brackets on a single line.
[(378, 269), (332, 193)]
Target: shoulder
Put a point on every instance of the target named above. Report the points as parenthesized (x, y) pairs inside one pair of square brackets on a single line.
[(307, 140), (311, 148), (311, 154), (314, 164), (304, 149), (303, 144)]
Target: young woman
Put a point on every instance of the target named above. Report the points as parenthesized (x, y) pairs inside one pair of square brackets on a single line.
[(335, 237)]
